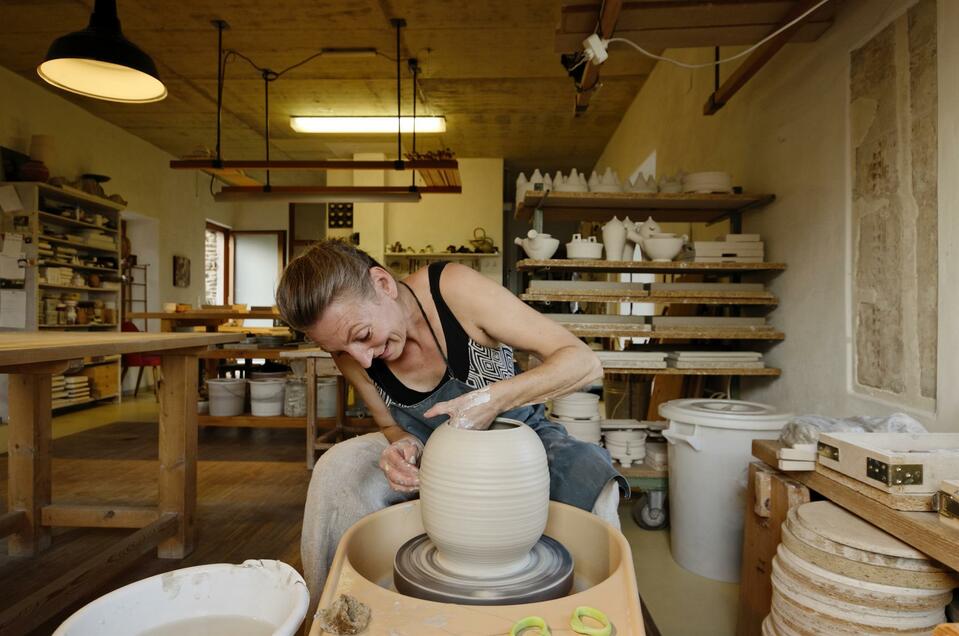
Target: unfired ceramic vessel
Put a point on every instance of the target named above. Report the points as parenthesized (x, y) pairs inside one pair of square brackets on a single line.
[(484, 496), (614, 239)]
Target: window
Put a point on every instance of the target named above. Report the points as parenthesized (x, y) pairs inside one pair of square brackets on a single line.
[(258, 259), (216, 266)]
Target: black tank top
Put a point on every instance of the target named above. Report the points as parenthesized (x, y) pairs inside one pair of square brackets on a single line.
[(475, 364)]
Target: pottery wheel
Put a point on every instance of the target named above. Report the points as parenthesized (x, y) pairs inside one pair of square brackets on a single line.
[(549, 575)]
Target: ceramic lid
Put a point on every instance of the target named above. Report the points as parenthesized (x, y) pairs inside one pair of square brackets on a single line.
[(733, 414)]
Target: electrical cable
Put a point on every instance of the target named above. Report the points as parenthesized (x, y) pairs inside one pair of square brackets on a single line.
[(723, 61)]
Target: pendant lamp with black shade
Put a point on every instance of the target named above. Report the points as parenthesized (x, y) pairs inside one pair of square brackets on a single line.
[(99, 62)]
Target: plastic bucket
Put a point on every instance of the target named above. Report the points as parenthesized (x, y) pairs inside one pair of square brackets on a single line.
[(326, 397), (263, 375), (294, 399), (710, 447), (226, 396), (257, 597), (266, 397)]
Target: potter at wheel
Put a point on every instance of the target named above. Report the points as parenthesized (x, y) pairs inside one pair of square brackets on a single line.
[(417, 572), (428, 353)]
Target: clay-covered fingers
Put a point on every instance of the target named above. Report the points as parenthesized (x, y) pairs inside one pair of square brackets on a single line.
[(398, 463)]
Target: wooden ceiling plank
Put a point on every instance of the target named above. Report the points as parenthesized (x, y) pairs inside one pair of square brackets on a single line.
[(756, 60)]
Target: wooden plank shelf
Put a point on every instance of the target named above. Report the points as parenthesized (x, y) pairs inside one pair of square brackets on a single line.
[(67, 402), (82, 246), (255, 421), (442, 255), (100, 290), (679, 298), (667, 208), (640, 470), (646, 267), (766, 372), (72, 222), (66, 194), (90, 268), (921, 530), (612, 330), (89, 325)]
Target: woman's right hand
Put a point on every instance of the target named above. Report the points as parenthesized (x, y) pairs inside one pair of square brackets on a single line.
[(398, 462)]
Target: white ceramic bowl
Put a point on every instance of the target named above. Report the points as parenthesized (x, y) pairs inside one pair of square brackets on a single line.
[(588, 248), (625, 437), (662, 248), (541, 248), (169, 307)]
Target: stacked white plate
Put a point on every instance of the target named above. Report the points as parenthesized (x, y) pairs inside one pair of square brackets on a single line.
[(706, 182), (579, 415), (626, 447)]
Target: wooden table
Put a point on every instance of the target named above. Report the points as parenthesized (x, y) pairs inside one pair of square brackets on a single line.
[(319, 362), (31, 359), (210, 320)]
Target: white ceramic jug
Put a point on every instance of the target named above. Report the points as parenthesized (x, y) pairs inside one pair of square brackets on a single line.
[(614, 239)]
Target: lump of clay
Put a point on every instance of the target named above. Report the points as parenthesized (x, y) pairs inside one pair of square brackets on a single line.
[(345, 615)]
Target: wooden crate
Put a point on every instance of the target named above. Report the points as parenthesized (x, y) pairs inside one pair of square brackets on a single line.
[(104, 379)]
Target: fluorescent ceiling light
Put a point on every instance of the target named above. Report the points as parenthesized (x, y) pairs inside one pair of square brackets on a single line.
[(366, 125)]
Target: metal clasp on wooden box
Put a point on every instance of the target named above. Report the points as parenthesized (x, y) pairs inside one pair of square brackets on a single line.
[(946, 504), (828, 451), (895, 475)]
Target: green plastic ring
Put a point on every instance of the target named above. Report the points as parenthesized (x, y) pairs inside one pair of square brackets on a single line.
[(530, 622), (577, 622)]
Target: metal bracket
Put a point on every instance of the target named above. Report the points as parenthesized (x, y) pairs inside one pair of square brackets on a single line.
[(946, 504), (895, 475), (828, 451)]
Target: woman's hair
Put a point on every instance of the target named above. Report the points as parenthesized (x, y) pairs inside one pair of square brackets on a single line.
[(329, 270)]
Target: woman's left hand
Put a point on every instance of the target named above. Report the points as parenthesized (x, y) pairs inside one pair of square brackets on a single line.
[(475, 410)]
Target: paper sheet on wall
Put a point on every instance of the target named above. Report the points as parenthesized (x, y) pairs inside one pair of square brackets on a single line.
[(12, 244), (9, 199), (10, 268), (13, 308)]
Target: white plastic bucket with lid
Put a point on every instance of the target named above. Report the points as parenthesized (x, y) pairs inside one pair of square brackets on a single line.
[(266, 396), (326, 397), (710, 447), (227, 396), (255, 598)]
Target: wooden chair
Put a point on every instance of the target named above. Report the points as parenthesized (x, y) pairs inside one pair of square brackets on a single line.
[(139, 360)]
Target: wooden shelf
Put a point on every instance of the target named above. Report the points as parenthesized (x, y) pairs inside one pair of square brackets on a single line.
[(56, 218), (76, 288), (83, 246), (921, 530), (767, 371), (86, 326), (66, 194), (92, 268), (254, 421), (666, 208), (611, 330), (90, 400), (645, 267), (684, 298), (442, 255), (640, 470)]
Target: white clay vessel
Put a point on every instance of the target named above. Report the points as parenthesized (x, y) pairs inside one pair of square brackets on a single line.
[(484, 496)]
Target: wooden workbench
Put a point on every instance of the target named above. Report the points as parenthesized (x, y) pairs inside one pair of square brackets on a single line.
[(31, 359), (210, 320)]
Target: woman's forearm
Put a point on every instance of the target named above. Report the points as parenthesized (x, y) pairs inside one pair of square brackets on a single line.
[(566, 370)]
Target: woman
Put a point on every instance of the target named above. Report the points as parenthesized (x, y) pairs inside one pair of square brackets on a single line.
[(436, 346)]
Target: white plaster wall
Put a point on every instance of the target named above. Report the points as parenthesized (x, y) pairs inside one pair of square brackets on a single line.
[(140, 172), (786, 132)]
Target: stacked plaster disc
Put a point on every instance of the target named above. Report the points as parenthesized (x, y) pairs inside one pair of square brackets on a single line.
[(836, 574)]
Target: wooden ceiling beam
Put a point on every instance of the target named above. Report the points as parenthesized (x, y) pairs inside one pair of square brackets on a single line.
[(590, 79), (758, 58)]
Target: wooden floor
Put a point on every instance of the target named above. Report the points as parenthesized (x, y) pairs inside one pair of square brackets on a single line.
[(251, 484)]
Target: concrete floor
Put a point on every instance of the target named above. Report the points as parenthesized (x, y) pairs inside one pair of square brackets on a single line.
[(681, 603)]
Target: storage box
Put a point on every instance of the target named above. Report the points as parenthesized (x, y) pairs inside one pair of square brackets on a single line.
[(104, 379), (893, 462)]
